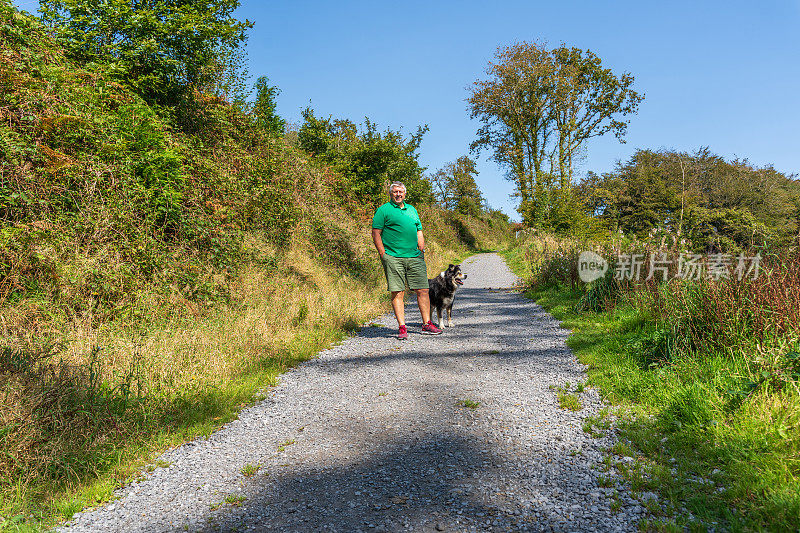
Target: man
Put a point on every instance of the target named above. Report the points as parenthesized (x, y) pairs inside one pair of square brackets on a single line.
[(397, 234)]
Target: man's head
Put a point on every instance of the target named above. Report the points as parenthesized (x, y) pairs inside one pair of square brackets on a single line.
[(397, 192)]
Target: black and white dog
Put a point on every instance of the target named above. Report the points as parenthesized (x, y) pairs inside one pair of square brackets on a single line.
[(442, 290)]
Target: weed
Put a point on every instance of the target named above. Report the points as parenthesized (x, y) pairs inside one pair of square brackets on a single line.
[(250, 470), (569, 401), (595, 425), (231, 499), (621, 449), (616, 503), (282, 446), (157, 464), (652, 506), (470, 404), (660, 526), (588, 427), (605, 481)]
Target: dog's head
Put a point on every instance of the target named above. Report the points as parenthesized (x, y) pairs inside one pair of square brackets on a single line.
[(454, 273)]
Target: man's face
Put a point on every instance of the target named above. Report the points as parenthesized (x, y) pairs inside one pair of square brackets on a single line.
[(398, 195)]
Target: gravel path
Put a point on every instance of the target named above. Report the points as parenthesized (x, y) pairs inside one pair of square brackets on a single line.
[(370, 436)]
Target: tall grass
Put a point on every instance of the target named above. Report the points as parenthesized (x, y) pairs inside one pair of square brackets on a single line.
[(709, 372)]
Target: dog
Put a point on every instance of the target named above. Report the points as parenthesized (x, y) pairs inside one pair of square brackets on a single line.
[(442, 290)]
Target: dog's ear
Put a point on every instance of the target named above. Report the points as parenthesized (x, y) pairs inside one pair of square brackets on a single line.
[(451, 266)]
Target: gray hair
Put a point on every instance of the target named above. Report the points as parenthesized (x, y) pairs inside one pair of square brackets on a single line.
[(394, 185)]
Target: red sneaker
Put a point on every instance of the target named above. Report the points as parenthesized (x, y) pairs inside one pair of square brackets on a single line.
[(403, 334), (430, 329)]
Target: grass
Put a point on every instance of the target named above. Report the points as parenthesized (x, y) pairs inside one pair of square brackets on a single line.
[(469, 404), (249, 470), (282, 446), (231, 499), (157, 464), (569, 402), (605, 481), (717, 441)]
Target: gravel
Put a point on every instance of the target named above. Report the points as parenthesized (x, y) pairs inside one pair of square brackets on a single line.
[(372, 436)]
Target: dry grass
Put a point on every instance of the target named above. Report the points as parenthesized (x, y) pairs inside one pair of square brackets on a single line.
[(112, 385)]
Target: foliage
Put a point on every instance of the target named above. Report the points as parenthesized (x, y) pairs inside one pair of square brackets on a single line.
[(265, 106), (708, 373), (368, 159), (455, 187), (153, 280), (538, 108), (700, 197), (163, 49), (469, 404)]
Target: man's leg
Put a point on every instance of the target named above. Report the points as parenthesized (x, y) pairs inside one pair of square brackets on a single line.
[(398, 306), (424, 303)]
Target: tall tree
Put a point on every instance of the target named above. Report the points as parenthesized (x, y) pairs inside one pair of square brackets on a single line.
[(513, 105), (538, 108), (456, 189), (164, 48), (588, 101), (368, 158)]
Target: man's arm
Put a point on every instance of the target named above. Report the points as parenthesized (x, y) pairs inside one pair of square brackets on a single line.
[(376, 238), (420, 241)]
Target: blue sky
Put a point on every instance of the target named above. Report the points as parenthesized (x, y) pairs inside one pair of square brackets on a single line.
[(719, 74)]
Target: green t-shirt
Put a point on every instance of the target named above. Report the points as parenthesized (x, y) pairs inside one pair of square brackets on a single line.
[(399, 227)]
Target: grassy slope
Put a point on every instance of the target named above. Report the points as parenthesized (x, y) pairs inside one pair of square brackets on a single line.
[(153, 282), (716, 460)]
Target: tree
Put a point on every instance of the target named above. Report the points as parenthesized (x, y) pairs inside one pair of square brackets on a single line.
[(368, 159), (456, 189), (264, 108), (588, 102), (714, 203), (164, 48), (513, 105), (538, 108), (227, 76)]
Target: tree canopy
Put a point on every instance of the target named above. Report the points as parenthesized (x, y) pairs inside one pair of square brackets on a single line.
[(163, 48), (715, 204), (368, 158), (455, 187), (264, 108), (538, 107)]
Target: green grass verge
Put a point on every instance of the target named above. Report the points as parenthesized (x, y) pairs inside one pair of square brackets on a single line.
[(715, 457)]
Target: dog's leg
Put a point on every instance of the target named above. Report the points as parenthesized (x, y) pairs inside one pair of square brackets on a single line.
[(450, 322), (439, 314)]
